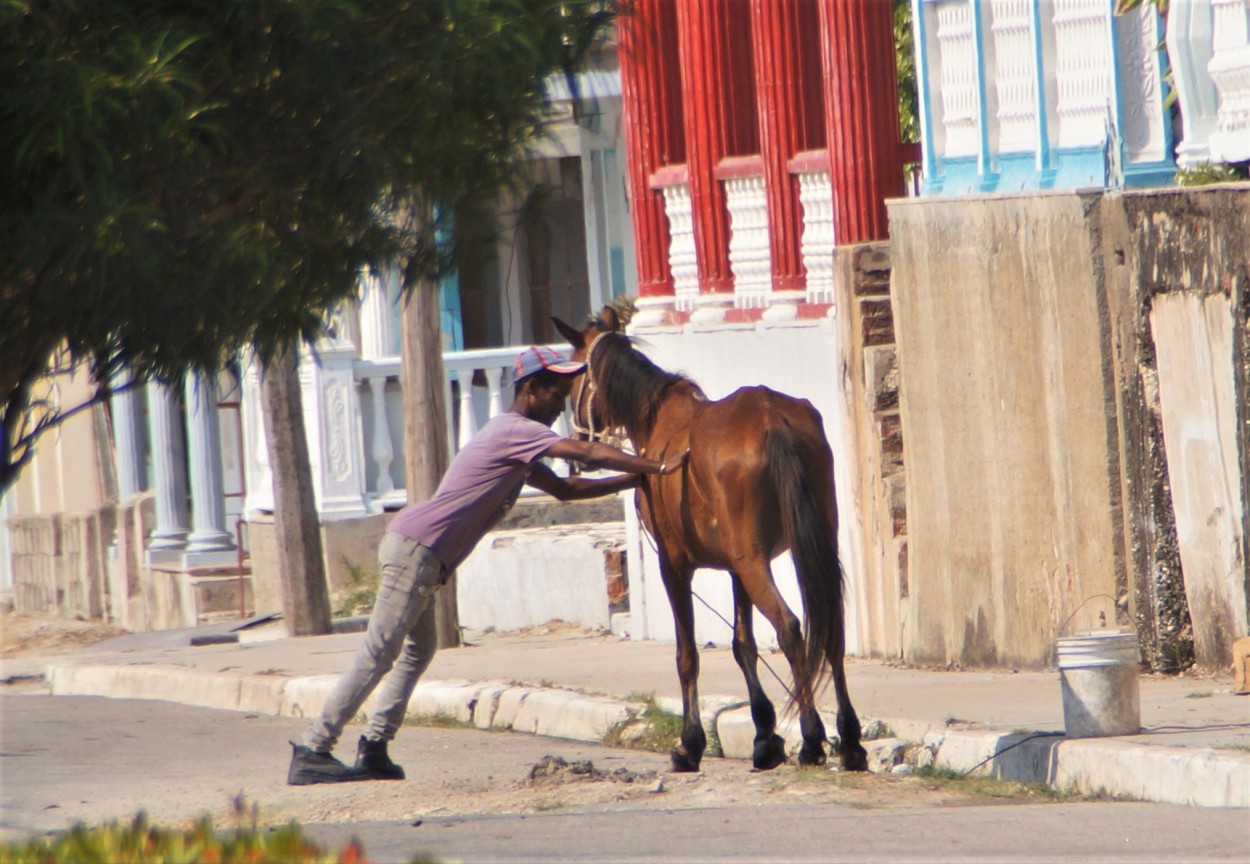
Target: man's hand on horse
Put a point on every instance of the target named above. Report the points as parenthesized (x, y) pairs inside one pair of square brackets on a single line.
[(669, 465)]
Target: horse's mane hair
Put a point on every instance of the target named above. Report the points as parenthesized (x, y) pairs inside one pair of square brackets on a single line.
[(630, 386)]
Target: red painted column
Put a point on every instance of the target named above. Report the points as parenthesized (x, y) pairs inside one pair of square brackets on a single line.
[(719, 112), (654, 138), (786, 50), (861, 116)]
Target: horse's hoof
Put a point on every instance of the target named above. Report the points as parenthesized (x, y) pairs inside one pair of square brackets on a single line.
[(855, 759), (769, 754), (812, 756), (682, 763)]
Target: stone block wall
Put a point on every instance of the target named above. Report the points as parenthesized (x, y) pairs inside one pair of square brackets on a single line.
[(60, 562), (874, 444)]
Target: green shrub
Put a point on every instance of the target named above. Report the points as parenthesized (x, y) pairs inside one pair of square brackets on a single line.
[(141, 843)]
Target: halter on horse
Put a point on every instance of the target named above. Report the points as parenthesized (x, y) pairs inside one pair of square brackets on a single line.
[(758, 481)]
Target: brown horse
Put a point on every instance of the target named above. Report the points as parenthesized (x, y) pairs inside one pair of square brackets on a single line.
[(758, 481)]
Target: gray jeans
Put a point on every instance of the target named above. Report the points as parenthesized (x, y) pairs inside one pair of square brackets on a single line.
[(403, 619)]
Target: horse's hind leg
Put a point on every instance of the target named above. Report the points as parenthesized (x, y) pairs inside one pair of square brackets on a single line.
[(770, 749), (854, 757), (689, 753), (790, 635)]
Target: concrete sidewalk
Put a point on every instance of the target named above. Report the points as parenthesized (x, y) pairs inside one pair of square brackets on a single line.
[(1194, 748)]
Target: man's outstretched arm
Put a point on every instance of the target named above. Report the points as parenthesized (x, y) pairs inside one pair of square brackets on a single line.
[(596, 455), (577, 488)]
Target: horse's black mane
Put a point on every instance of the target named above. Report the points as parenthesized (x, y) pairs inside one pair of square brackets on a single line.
[(630, 386)]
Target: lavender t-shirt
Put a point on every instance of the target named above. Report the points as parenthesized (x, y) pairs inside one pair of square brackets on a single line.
[(480, 486)]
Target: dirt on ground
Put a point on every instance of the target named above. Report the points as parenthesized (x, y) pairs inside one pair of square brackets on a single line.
[(36, 634)]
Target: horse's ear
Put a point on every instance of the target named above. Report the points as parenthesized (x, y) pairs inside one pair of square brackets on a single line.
[(609, 320), (575, 337)]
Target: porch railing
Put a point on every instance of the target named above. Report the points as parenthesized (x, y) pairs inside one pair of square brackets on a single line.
[(354, 420)]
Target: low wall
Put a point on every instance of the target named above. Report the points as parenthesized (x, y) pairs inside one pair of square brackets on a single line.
[(1008, 416), (1178, 272), (60, 563), (800, 358), (1073, 388)]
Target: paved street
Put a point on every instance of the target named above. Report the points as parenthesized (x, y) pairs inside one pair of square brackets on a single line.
[(470, 796)]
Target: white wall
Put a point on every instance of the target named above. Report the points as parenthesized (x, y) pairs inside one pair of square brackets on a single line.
[(798, 358)]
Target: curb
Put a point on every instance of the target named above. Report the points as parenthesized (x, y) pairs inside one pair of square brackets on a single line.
[(1201, 777)]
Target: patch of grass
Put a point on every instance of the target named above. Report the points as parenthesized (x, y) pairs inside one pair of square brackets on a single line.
[(441, 720), (1200, 694), (1243, 746), (1206, 174), (361, 592), (875, 730), (991, 787), (654, 729), (548, 805)]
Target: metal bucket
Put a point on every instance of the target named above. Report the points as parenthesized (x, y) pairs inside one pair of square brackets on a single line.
[(1098, 673)]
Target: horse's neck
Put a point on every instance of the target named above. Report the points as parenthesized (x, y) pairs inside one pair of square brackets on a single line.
[(680, 404)]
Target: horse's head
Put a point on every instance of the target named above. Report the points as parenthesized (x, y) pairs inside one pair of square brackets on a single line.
[(588, 420)]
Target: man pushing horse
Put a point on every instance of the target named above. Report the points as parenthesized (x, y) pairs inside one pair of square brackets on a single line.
[(427, 541)]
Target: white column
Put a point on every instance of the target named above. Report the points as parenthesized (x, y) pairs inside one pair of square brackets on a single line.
[(210, 543), (129, 455), (1190, 41), (380, 447), (332, 425), (1230, 71), (169, 469), (257, 474), (379, 317)]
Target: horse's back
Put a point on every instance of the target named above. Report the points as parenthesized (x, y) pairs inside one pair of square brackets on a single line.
[(750, 413)]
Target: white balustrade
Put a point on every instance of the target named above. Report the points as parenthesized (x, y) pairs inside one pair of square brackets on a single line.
[(816, 245), (381, 416), (958, 88), (683, 261), (749, 256), (1229, 69), (1083, 74), (1142, 119), (1015, 75)]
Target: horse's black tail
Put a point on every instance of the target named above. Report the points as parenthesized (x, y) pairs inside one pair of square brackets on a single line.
[(813, 547)]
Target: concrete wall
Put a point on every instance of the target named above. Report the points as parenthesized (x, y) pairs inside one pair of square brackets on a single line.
[(1178, 270), (1008, 415), (1073, 391)]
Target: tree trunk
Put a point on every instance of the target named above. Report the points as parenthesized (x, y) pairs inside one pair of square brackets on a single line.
[(301, 564), (425, 423)]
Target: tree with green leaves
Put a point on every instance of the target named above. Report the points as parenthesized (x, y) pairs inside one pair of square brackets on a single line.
[(187, 178)]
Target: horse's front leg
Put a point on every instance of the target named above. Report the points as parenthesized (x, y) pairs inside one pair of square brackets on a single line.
[(689, 753), (769, 749)]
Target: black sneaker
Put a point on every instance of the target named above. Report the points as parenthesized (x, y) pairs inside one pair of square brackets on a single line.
[(308, 767), (373, 763)]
